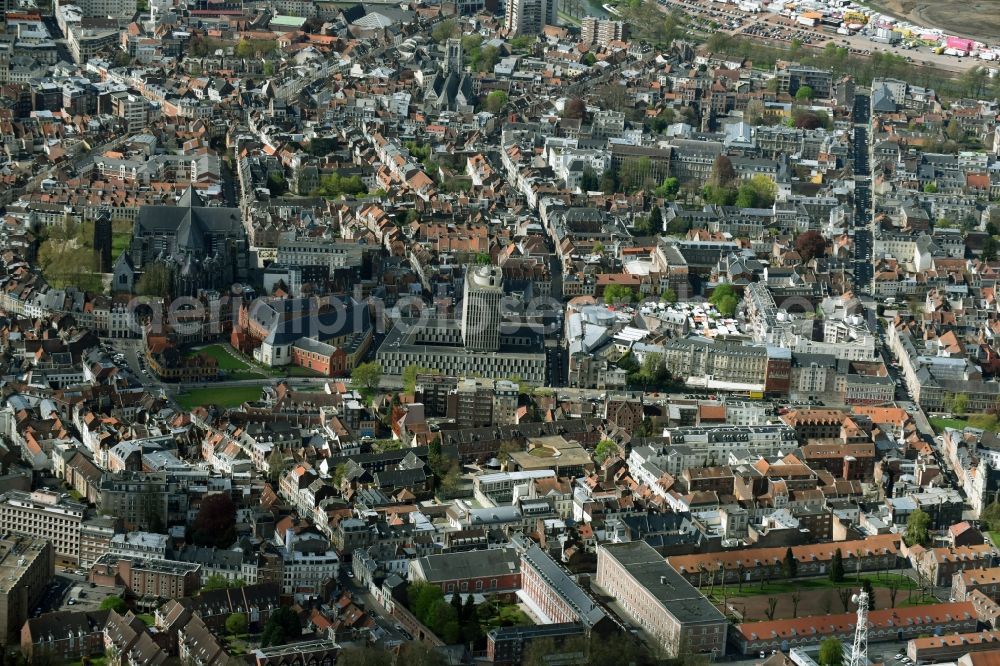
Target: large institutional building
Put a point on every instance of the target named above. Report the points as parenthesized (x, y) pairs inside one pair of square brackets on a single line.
[(480, 343), (27, 565), (47, 515), (670, 610)]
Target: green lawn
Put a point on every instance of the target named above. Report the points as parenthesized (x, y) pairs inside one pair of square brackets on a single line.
[(754, 589), (223, 397), (91, 661), (542, 452), (982, 421), (226, 360), (237, 367), (995, 537), (119, 241), (147, 619)]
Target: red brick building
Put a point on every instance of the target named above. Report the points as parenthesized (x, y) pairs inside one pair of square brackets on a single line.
[(165, 579), (482, 571), (853, 462), (319, 357), (63, 636)]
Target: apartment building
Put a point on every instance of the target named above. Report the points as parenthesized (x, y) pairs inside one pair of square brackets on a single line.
[(665, 606), (601, 31), (550, 591), (158, 579), (729, 365), (938, 649), (137, 498), (47, 515), (95, 539), (64, 636), (27, 565), (987, 581), (890, 624), (103, 8), (876, 553), (529, 17), (939, 565), (332, 255)]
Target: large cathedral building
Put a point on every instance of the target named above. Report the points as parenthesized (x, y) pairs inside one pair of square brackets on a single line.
[(204, 247)]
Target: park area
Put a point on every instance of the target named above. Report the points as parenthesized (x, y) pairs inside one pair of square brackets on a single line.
[(785, 599), (982, 421), (223, 397), (67, 256), (235, 366)]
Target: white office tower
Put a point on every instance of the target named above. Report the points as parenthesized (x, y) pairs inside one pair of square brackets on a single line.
[(481, 308)]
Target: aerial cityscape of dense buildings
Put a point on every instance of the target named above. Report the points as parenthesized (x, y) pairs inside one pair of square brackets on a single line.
[(539, 332)]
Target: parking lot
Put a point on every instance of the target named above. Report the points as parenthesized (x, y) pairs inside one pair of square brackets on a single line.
[(767, 27)]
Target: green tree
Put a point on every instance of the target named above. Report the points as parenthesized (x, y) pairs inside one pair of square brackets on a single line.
[(668, 189), (236, 624), (282, 626), (471, 42), (866, 587), (918, 528), (790, 565), (653, 372), (220, 582), (522, 43), (156, 280), (954, 131), (931, 188), (991, 516), (668, 295), (410, 373), (444, 30), (989, 249), (275, 465), (277, 184), (618, 293), (836, 573), (604, 448), (117, 604), (215, 522), (721, 293), (961, 401), (364, 656), (727, 305), (589, 59), (831, 652), (723, 173), (804, 93), (759, 192), (338, 473), (634, 173), (495, 101), (609, 182), (655, 221), (810, 244), (485, 59), (334, 185), (367, 376)]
